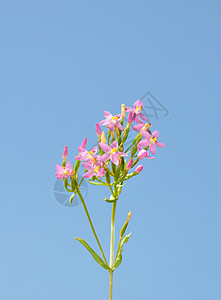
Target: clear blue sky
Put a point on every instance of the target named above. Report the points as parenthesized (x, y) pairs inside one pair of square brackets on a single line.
[(62, 63)]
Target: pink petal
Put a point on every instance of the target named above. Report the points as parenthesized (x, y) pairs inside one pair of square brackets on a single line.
[(111, 126), (87, 166), (104, 157), (114, 145), (94, 150), (88, 174), (59, 169), (143, 143), (104, 122), (82, 151), (114, 159), (155, 134), (143, 116), (104, 147), (68, 166), (159, 144), (153, 149), (146, 135), (122, 154), (120, 126), (107, 114), (137, 127), (140, 122), (138, 103)]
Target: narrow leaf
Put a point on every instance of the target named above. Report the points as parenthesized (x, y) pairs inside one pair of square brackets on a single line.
[(119, 254), (94, 254)]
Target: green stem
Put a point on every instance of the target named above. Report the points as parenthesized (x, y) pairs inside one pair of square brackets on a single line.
[(92, 227), (112, 249)]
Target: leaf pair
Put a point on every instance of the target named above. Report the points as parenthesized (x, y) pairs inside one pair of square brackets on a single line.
[(96, 257)]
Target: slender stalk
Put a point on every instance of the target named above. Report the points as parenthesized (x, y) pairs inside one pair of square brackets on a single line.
[(112, 249), (91, 224)]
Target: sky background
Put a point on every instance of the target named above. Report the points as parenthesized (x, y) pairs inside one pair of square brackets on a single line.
[(62, 63)]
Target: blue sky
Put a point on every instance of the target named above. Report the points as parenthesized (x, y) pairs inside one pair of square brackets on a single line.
[(62, 63)]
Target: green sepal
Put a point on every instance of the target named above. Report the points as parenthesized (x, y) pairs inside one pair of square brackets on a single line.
[(96, 257), (96, 183), (119, 254)]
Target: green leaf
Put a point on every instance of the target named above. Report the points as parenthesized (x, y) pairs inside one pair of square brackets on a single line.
[(119, 254), (94, 254)]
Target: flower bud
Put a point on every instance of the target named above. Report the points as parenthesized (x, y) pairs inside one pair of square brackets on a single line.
[(65, 153), (129, 164), (123, 111), (123, 229), (83, 145), (103, 138), (98, 129), (130, 118), (129, 216), (139, 169)]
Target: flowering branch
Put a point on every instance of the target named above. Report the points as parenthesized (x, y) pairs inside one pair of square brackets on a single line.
[(106, 165)]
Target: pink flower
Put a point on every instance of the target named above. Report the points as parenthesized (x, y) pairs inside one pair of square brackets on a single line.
[(136, 111), (151, 141), (141, 125), (65, 153), (93, 170), (98, 130), (63, 172), (139, 169), (112, 121), (111, 152), (86, 155)]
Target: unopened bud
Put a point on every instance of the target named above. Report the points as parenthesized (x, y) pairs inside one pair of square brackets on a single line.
[(103, 138), (129, 216), (129, 164), (130, 118), (139, 169), (123, 111), (84, 143), (65, 153), (98, 129)]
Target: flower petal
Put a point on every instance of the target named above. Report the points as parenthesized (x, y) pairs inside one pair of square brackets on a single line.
[(153, 149), (107, 114), (146, 135), (159, 144), (115, 159), (155, 134), (104, 147)]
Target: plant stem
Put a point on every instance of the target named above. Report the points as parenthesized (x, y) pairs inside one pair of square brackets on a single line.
[(91, 224), (112, 249)]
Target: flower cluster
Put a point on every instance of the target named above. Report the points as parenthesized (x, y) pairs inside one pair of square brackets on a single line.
[(108, 159)]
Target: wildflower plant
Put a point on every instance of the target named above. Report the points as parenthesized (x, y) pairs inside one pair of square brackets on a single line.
[(110, 165)]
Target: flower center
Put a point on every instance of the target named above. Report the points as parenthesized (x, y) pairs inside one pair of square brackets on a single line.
[(97, 169), (113, 150), (153, 140), (90, 153), (138, 109), (114, 119)]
